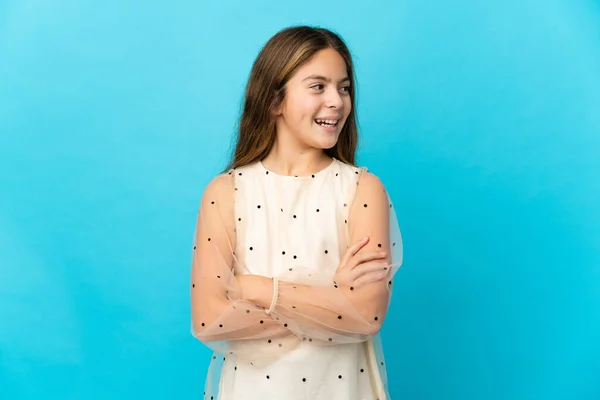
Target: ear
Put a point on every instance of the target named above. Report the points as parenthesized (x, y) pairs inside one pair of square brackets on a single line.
[(279, 97), (277, 111)]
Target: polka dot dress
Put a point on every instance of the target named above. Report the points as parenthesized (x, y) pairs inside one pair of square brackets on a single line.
[(282, 223)]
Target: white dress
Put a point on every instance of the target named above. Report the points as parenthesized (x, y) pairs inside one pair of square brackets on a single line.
[(283, 223)]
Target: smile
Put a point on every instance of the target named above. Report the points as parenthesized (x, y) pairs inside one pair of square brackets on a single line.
[(325, 122)]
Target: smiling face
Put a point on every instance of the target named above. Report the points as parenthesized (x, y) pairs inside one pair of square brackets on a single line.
[(317, 102)]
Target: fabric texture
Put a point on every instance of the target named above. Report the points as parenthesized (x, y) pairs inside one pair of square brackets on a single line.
[(319, 339)]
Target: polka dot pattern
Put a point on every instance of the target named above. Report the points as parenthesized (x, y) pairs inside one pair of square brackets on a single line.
[(295, 233)]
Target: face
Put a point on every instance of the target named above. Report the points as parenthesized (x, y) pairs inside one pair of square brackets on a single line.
[(317, 102)]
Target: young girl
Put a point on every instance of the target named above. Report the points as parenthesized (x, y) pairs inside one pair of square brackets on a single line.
[(295, 246)]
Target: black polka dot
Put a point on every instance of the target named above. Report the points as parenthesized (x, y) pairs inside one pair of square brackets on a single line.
[(293, 306), (220, 325), (194, 247), (336, 174), (351, 288), (193, 285), (285, 325), (382, 363), (376, 318), (258, 206), (290, 269), (267, 172), (269, 341), (326, 252), (379, 245), (356, 172), (295, 257), (203, 324), (365, 205), (345, 205), (240, 174), (339, 377), (317, 210), (219, 276), (362, 370), (262, 322), (294, 216), (313, 176), (209, 239), (212, 202), (250, 248), (303, 379), (330, 339), (339, 317), (345, 221), (283, 252), (267, 376), (282, 210), (239, 219), (393, 244)]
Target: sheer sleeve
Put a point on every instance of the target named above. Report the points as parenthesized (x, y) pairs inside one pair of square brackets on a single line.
[(220, 318), (315, 307)]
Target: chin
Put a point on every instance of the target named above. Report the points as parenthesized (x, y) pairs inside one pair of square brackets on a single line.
[(324, 143), (327, 146)]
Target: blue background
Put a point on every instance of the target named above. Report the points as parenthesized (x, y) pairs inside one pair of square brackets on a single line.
[(481, 118)]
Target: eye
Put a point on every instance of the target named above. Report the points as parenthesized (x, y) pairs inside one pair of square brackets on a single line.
[(346, 88), (315, 86)]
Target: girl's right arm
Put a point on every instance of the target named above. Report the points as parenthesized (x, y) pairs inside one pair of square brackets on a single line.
[(219, 314)]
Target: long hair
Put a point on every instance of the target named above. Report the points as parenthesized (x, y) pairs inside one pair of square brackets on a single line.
[(276, 63)]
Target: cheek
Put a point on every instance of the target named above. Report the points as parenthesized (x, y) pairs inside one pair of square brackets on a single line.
[(347, 105)]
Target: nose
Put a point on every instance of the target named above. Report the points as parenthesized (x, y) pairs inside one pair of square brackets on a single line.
[(334, 99)]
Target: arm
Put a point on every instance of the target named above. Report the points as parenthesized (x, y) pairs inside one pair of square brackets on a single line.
[(219, 313), (333, 313)]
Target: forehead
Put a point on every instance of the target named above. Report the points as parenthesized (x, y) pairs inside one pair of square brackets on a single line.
[(328, 63)]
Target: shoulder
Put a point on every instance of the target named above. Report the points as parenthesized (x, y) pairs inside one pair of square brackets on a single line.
[(370, 181), (371, 190), (365, 179), (218, 188)]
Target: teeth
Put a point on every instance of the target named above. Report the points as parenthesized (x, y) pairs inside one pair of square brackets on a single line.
[(326, 122)]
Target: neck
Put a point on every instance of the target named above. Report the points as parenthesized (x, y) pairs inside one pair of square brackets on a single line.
[(295, 162)]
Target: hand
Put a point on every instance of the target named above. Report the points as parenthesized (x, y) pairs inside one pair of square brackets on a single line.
[(356, 270)]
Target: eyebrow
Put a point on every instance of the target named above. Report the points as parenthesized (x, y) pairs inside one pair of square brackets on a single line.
[(322, 78)]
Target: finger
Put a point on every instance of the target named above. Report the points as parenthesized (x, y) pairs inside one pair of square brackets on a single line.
[(371, 277), (366, 268), (368, 256), (365, 257), (352, 250)]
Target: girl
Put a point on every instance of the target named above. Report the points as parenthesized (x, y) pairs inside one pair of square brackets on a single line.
[(295, 247)]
